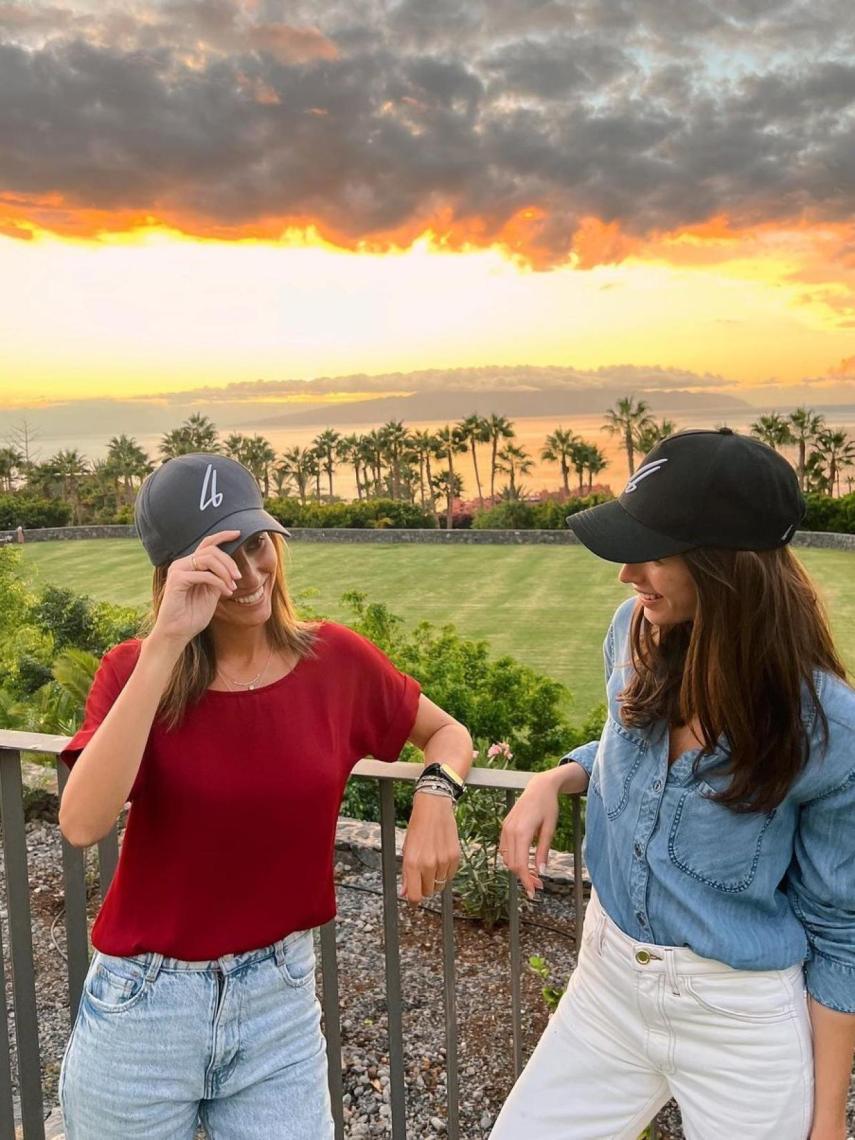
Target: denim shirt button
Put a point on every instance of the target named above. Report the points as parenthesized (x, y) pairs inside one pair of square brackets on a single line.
[(638, 850), (657, 784), (640, 916)]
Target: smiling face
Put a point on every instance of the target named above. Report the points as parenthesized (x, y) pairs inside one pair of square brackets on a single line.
[(665, 588), (251, 604)]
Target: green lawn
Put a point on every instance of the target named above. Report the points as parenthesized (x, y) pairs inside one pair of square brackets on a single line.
[(547, 606)]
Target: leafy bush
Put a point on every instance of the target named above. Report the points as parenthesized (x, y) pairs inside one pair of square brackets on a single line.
[(496, 698), (547, 515), (825, 513), (74, 620), (30, 512), (361, 514)]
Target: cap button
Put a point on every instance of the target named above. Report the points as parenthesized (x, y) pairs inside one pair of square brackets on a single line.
[(725, 431)]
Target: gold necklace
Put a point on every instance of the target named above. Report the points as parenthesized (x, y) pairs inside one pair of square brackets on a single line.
[(246, 684)]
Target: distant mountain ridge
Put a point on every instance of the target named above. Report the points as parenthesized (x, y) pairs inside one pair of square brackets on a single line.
[(448, 404)]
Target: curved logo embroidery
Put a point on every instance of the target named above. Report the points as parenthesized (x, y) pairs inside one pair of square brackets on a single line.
[(642, 473), (215, 497)]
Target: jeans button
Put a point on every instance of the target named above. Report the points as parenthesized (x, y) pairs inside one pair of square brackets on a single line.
[(642, 956)]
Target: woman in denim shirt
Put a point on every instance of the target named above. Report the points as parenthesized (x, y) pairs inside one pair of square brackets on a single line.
[(718, 954)]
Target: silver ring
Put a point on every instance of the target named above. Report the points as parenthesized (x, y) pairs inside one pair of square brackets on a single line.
[(440, 882)]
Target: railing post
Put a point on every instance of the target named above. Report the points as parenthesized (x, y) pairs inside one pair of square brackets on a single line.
[(21, 945), (332, 1024), (74, 893), (451, 1076), (516, 958), (393, 959)]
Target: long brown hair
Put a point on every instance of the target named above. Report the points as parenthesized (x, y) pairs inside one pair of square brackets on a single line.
[(740, 668), (197, 666)]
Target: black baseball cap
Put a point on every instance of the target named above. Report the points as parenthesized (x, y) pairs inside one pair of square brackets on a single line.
[(192, 496), (697, 488)]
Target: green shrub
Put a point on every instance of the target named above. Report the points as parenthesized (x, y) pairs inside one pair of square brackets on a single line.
[(361, 514), (30, 512), (828, 514), (548, 515), (512, 515), (496, 698)]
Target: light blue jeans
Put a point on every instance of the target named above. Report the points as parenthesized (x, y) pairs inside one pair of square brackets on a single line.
[(160, 1045)]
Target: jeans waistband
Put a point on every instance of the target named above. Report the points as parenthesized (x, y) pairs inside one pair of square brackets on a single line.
[(651, 957), (153, 963)]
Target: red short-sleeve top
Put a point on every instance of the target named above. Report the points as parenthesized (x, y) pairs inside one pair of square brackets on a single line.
[(231, 831)]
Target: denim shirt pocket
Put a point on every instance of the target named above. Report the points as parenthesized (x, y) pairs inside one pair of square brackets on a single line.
[(618, 759), (713, 844)]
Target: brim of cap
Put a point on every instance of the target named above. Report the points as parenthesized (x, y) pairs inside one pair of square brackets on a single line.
[(610, 532), (248, 522)]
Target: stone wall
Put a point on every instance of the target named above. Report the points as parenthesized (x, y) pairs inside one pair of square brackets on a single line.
[(827, 540)]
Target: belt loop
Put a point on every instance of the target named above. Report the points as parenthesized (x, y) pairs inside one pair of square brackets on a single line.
[(671, 972), (153, 968), (279, 952), (601, 932)]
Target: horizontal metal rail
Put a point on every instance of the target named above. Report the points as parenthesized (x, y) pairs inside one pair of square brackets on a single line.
[(12, 744)]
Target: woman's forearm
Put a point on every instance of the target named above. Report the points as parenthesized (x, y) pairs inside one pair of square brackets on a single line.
[(451, 744), (833, 1048), (101, 779)]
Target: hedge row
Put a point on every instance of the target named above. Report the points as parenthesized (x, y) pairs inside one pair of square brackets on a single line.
[(31, 512)]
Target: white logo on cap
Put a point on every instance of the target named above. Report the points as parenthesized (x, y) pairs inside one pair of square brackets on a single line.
[(216, 498), (642, 473)]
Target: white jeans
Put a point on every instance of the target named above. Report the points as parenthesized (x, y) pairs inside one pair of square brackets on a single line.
[(641, 1023)]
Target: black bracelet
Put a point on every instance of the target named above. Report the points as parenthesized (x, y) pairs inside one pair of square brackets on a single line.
[(439, 772)]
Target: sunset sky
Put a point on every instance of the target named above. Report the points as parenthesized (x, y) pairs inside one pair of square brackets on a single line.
[(205, 193)]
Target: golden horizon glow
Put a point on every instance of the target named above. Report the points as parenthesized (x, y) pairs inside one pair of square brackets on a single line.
[(142, 309)]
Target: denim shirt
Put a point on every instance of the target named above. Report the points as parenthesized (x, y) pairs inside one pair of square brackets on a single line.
[(758, 891)]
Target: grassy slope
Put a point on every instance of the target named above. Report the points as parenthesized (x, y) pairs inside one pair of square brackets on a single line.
[(546, 606)]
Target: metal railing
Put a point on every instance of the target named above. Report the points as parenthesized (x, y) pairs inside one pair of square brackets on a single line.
[(12, 744)]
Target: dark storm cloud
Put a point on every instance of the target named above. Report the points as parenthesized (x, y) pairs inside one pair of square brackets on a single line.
[(369, 118)]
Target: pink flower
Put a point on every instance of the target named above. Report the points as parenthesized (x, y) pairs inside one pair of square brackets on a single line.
[(502, 748)]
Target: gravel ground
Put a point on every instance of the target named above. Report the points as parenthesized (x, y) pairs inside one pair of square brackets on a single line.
[(483, 998)]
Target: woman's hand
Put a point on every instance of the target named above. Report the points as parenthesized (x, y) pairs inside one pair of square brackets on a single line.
[(194, 587), (533, 816), (431, 847)]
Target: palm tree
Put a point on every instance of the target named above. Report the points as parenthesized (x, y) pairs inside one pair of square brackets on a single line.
[(514, 461), (450, 484), (498, 428), (475, 429), (298, 464), (127, 460), (235, 445), (11, 464), (394, 437), (450, 443), (559, 449), (374, 452), (650, 434), (773, 430), (805, 424), (596, 462), (420, 448), (626, 419), (70, 467), (197, 433), (326, 449), (579, 455), (347, 451), (201, 433), (838, 452), (258, 456)]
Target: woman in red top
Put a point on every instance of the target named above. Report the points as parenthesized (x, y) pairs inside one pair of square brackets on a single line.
[(232, 729)]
